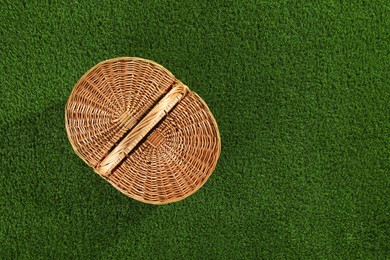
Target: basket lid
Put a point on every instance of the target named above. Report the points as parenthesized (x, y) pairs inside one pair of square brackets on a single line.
[(142, 130)]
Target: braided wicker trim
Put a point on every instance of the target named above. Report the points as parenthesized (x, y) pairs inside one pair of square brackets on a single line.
[(142, 130)]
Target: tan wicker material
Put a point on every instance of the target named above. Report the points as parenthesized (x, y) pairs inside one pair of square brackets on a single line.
[(142, 130)]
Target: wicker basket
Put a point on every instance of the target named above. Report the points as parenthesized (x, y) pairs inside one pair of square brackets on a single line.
[(142, 130)]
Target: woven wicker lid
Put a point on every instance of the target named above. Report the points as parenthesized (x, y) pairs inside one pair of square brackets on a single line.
[(142, 130)]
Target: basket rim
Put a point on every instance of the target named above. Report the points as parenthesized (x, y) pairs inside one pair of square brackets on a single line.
[(219, 144)]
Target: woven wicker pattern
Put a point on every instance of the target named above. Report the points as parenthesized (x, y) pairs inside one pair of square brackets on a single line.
[(142, 130)]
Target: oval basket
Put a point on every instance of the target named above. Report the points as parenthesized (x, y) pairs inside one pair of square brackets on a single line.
[(142, 130)]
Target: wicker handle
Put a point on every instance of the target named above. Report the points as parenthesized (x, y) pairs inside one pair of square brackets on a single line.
[(141, 129)]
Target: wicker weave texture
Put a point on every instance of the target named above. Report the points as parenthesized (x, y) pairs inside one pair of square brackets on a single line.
[(142, 130)]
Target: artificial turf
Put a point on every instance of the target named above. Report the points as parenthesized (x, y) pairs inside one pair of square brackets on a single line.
[(300, 91)]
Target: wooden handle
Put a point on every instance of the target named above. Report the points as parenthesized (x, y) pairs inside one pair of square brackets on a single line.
[(141, 129)]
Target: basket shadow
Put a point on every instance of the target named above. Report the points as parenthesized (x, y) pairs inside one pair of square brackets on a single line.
[(53, 193)]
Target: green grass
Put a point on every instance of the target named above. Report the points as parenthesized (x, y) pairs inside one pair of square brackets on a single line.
[(300, 92)]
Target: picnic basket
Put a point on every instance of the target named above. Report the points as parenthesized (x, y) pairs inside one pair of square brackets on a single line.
[(142, 130)]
